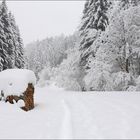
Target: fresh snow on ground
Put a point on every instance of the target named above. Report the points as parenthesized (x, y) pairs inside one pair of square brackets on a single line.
[(64, 114), (16, 81)]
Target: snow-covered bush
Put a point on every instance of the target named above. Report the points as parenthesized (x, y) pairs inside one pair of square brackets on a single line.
[(68, 74), (98, 77), (132, 88), (138, 84), (45, 76), (67, 83), (122, 81), (101, 81)]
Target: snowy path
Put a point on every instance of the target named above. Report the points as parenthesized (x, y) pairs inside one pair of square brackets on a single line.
[(66, 128), (61, 114)]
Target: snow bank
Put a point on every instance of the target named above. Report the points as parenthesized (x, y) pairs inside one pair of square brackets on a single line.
[(15, 81)]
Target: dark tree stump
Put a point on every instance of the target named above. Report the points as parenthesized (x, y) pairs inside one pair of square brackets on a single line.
[(27, 97)]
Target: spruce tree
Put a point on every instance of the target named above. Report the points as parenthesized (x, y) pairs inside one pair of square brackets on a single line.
[(7, 45), (125, 4), (2, 51), (135, 2), (18, 45), (14, 34), (11, 46), (19, 63), (94, 21)]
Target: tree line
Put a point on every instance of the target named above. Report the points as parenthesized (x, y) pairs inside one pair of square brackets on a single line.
[(106, 54)]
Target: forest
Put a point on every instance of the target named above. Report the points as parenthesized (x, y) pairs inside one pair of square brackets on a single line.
[(102, 54)]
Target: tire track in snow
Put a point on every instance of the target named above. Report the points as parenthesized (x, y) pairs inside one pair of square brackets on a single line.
[(51, 120), (66, 128), (85, 121)]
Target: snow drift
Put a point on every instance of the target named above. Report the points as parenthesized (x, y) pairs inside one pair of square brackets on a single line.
[(15, 81)]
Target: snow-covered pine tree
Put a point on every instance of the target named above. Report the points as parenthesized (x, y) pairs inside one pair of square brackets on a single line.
[(94, 21), (2, 40), (18, 45), (135, 2), (117, 61), (20, 62), (7, 41), (121, 5), (105, 62), (125, 4), (14, 33)]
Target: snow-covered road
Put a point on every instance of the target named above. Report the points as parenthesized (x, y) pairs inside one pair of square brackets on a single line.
[(63, 114)]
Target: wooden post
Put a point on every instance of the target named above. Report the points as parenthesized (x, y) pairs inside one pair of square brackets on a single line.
[(27, 97)]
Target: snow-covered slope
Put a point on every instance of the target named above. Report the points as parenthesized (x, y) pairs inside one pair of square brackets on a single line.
[(61, 114)]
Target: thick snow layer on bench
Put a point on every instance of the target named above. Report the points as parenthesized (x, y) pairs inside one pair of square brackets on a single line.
[(15, 81)]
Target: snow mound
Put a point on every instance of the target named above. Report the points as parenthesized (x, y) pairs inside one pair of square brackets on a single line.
[(15, 81)]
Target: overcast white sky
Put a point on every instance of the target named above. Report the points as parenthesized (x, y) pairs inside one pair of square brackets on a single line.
[(38, 20)]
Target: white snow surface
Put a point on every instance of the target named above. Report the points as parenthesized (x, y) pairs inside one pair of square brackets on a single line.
[(63, 114), (15, 81)]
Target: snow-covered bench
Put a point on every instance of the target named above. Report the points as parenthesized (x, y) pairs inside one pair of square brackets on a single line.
[(16, 84)]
